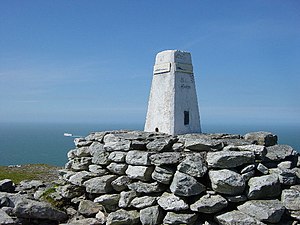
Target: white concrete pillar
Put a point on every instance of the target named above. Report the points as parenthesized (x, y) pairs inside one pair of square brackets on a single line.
[(173, 105)]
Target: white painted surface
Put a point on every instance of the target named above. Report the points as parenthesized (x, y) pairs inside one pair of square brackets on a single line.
[(173, 92)]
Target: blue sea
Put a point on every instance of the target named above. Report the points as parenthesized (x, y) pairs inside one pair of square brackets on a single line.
[(24, 143)]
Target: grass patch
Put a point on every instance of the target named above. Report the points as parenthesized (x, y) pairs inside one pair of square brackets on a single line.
[(29, 172), (49, 196)]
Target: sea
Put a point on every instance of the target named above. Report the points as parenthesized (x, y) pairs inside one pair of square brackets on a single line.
[(35, 143)]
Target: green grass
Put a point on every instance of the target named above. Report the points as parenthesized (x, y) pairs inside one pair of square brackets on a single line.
[(29, 172), (46, 196)]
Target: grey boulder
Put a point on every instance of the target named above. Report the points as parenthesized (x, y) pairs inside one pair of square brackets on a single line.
[(122, 216), (38, 210), (79, 164), (264, 187), (209, 204), (171, 202), (185, 185), (260, 151), (237, 218), (143, 202), (125, 198), (143, 187), (193, 165), (6, 219), (7, 185), (100, 185), (109, 201), (163, 174), (165, 158), (89, 208), (226, 182), (117, 168), (117, 156), (269, 211), (161, 144), (151, 215), (121, 183), (291, 199), (229, 159), (138, 158), (180, 218), (139, 172), (261, 138), (279, 153), (203, 144)]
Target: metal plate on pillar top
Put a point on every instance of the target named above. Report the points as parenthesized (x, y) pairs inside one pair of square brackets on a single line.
[(184, 68), (162, 68)]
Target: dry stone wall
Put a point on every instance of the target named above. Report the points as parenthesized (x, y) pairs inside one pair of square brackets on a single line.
[(135, 177)]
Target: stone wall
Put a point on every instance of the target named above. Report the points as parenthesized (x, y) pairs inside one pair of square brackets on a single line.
[(135, 177)]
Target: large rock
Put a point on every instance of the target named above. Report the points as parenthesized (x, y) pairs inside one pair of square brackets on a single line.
[(260, 151), (84, 221), (117, 168), (263, 187), (121, 145), (279, 153), (38, 210), (100, 185), (151, 216), (261, 138), (82, 142), (80, 177), (142, 173), (229, 159), (101, 158), (89, 208), (186, 185), (117, 156), (6, 219), (123, 217), (121, 183), (161, 144), (79, 152), (96, 136), (194, 165), (269, 211), (97, 170), (203, 144), (285, 176), (142, 187), (78, 164), (291, 199), (171, 202), (180, 218), (109, 201), (143, 202), (237, 217), (7, 185), (163, 174), (96, 147), (125, 198), (70, 191), (226, 182), (165, 158), (209, 204), (138, 158)]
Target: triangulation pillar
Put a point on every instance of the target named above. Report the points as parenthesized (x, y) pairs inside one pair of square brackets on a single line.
[(173, 105)]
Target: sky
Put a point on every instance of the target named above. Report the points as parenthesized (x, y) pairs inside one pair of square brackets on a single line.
[(92, 61)]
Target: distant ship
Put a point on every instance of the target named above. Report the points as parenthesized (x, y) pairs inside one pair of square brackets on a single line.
[(68, 135)]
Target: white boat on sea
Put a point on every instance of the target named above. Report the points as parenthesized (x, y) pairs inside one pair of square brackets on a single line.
[(68, 135)]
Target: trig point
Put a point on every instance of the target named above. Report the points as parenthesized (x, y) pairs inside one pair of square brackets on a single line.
[(173, 105)]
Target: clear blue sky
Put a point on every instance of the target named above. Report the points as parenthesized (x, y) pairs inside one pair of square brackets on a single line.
[(91, 61)]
